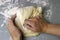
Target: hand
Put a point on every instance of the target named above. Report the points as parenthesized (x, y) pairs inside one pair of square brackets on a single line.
[(14, 31), (36, 24)]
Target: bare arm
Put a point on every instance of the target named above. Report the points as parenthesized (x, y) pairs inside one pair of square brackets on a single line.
[(53, 29)]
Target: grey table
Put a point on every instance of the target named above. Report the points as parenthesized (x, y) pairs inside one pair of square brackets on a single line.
[(53, 18)]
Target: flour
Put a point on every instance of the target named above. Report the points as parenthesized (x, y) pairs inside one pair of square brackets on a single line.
[(9, 13), (4, 1), (9, 8)]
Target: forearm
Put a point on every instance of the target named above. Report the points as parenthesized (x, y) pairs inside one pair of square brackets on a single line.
[(16, 36), (53, 29), (20, 38)]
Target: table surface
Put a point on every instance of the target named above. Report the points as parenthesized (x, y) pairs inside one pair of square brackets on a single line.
[(53, 18)]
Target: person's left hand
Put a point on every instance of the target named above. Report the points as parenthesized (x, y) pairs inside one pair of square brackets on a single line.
[(14, 31)]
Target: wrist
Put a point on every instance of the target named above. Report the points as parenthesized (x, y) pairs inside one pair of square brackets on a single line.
[(17, 38), (45, 28)]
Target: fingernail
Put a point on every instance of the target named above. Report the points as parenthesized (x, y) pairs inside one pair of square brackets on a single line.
[(26, 19), (8, 19), (24, 25)]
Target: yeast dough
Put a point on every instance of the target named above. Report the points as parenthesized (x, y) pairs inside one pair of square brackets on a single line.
[(26, 13)]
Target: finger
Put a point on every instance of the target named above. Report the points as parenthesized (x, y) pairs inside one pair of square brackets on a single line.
[(38, 18), (13, 17), (29, 22), (30, 28), (27, 26), (10, 22)]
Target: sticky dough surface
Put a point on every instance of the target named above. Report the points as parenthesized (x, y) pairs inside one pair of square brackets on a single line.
[(25, 13)]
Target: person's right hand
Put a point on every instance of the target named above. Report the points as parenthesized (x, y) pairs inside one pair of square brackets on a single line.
[(36, 24)]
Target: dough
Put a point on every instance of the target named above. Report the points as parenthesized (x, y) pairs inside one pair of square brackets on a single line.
[(25, 13)]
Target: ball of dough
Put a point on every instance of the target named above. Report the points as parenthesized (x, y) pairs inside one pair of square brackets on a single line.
[(25, 13)]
